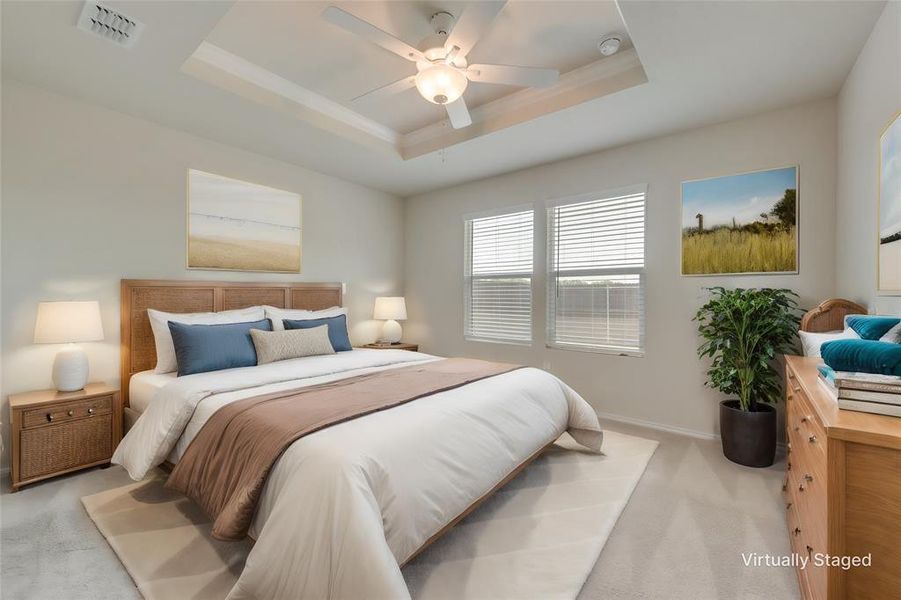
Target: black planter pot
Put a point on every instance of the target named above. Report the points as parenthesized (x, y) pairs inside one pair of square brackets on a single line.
[(749, 438)]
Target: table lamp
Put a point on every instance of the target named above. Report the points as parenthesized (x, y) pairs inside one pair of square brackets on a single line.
[(391, 309), (69, 323)]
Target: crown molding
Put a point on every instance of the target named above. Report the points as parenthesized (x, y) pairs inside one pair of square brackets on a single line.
[(244, 78)]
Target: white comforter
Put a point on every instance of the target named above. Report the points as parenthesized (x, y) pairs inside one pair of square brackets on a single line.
[(345, 506)]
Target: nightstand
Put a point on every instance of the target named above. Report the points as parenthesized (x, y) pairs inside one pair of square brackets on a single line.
[(397, 346), (58, 432)]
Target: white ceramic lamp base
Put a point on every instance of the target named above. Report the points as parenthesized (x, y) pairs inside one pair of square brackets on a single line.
[(391, 332), (70, 369)]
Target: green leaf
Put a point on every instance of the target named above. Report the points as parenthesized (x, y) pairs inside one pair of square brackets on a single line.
[(743, 331)]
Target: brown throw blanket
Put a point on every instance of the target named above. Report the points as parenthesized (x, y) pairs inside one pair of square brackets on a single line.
[(226, 465)]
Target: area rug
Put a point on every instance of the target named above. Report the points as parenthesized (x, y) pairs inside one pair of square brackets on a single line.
[(538, 537)]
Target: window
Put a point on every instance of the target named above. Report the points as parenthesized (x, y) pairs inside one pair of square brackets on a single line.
[(498, 275), (596, 272)]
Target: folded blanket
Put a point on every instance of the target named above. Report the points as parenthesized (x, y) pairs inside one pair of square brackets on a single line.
[(827, 373), (867, 356)]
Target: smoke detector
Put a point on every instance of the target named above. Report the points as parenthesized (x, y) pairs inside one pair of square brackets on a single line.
[(610, 44), (109, 24)]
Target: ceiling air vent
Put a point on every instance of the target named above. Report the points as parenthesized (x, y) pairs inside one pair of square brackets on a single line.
[(109, 24)]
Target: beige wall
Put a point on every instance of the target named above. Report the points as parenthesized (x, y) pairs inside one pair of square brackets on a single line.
[(91, 196), (869, 99), (666, 386)]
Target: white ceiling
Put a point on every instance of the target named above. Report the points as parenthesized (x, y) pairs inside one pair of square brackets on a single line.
[(293, 41), (706, 62)]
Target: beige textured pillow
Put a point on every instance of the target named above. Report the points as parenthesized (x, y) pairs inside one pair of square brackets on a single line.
[(273, 346)]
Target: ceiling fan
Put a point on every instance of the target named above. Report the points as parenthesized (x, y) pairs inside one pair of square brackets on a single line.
[(442, 69)]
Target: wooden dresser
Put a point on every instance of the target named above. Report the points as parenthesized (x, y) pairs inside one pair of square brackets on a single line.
[(842, 490)]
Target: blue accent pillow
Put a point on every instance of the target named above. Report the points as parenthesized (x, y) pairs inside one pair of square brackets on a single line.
[(204, 348), (337, 329), (871, 327), (865, 356)]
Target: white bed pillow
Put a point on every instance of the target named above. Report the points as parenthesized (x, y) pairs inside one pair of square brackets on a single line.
[(893, 335), (162, 337), (276, 315), (811, 342)]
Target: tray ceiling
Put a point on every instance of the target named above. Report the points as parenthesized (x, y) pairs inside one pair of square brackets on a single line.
[(284, 55), (706, 62)]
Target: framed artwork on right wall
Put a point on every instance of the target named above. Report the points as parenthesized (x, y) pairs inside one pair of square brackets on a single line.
[(888, 269)]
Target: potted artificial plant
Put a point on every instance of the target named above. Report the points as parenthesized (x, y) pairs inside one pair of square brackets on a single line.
[(743, 332)]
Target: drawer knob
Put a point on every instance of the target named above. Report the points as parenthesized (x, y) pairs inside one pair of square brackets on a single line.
[(809, 549), (91, 411), (797, 530), (788, 506), (70, 412), (797, 388), (798, 428), (801, 487), (788, 466), (808, 477), (803, 419), (784, 486), (49, 417), (812, 439)]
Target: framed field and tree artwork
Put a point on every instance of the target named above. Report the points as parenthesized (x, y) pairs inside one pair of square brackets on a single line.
[(239, 226), (889, 252), (741, 224)]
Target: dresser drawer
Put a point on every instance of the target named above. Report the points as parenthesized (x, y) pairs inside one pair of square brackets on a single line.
[(63, 446), (806, 541), (67, 411), (801, 419), (808, 496)]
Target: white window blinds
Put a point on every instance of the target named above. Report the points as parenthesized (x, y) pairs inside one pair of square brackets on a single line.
[(498, 270), (596, 273)]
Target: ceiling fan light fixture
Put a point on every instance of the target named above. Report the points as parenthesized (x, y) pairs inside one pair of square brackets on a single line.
[(441, 84)]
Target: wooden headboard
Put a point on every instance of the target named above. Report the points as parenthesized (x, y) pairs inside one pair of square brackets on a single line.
[(830, 315), (138, 352)]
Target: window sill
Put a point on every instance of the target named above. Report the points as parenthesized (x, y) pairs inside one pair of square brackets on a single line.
[(596, 350), (493, 341)]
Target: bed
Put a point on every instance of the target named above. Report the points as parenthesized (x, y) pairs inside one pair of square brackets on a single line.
[(345, 507)]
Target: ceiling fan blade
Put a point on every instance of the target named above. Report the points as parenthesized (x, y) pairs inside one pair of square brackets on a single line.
[(458, 114), (398, 86), (364, 29), (472, 24), (510, 75)]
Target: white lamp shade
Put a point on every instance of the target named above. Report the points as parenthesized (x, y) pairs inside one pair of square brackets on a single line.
[(65, 322), (390, 307)]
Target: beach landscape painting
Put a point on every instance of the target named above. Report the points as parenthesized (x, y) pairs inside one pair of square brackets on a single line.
[(741, 224), (890, 207), (239, 226)]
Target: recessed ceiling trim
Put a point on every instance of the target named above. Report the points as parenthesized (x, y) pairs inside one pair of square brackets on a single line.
[(594, 80), (232, 73), (236, 66)]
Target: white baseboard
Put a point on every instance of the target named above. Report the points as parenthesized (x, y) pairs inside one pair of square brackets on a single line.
[(658, 426), (669, 428)]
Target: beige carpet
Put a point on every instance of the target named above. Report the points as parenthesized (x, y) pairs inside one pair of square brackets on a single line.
[(538, 537)]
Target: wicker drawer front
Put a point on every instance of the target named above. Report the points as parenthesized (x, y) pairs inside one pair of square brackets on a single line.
[(67, 411), (64, 446)]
